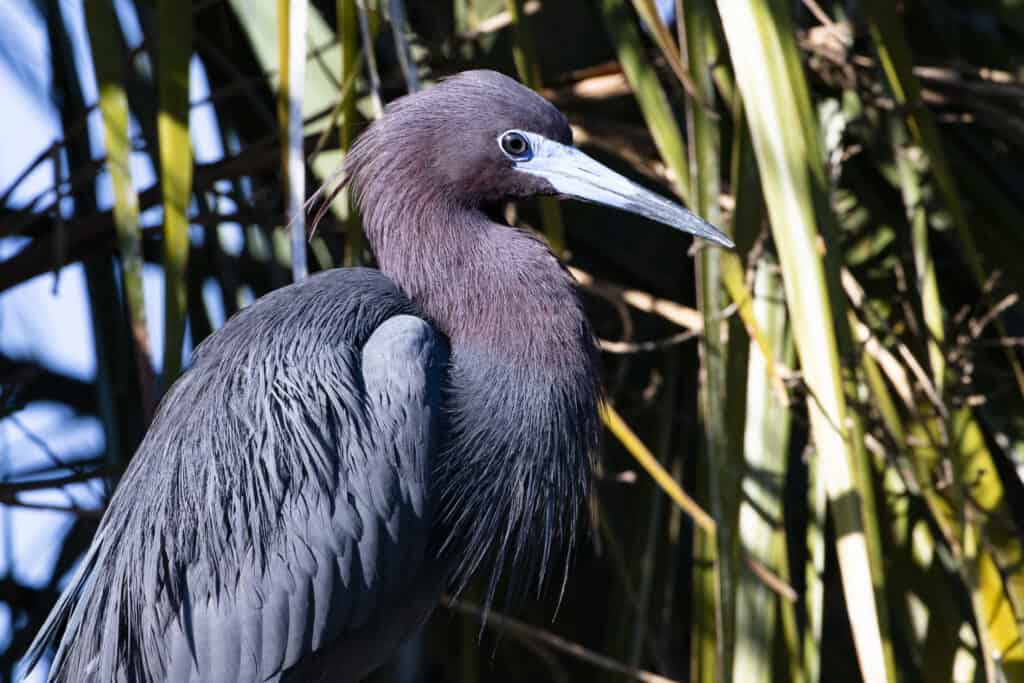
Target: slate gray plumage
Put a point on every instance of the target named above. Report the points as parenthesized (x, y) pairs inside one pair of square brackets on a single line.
[(347, 447), (302, 516)]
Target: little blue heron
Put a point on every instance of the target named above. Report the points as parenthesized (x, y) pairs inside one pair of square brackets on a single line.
[(349, 446)]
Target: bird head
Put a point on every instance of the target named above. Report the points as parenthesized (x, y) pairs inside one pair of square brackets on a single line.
[(480, 137)]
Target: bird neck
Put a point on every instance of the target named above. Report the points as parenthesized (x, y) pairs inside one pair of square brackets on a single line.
[(486, 286), (523, 386)]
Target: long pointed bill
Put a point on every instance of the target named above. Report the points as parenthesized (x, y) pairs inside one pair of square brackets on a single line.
[(574, 174)]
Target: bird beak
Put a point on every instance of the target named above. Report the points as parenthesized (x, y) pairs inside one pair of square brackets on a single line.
[(574, 174)]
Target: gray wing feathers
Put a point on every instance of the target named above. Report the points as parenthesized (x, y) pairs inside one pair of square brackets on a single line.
[(344, 557), (323, 528), (64, 611), (402, 369)]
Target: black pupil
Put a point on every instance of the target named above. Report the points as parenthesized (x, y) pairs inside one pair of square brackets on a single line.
[(515, 143)]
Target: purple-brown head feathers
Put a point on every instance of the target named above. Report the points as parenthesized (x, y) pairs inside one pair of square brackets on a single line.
[(444, 141)]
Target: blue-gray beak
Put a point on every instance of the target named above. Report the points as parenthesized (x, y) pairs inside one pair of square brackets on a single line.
[(574, 174)]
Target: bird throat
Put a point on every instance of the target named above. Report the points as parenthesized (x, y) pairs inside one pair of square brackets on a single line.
[(488, 287)]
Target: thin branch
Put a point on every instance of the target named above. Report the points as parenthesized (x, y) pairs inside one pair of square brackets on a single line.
[(69, 509), (498, 22), (684, 316), (500, 622), (625, 347), (978, 326), (405, 59), (631, 442), (42, 445), (373, 76), (10, 488), (771, 579)]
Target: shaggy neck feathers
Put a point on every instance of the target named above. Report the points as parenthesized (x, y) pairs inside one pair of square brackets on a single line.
[(521, 401)]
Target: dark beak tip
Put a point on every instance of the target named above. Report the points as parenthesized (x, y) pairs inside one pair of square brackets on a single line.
[(714, 235)]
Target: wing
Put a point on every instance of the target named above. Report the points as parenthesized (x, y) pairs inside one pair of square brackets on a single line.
[(279, 508)]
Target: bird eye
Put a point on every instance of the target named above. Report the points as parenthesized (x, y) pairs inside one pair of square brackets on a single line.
[(515, 145)]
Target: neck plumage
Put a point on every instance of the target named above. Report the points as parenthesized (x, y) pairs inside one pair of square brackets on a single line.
[(521, 404), (487, 286)]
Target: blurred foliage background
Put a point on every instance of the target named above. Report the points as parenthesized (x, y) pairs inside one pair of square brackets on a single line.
[(812, 468)]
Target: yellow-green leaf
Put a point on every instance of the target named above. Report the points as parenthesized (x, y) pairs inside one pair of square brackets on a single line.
[(649, 93), (107, 55), (292, 44), (175, 52), (778, 109)]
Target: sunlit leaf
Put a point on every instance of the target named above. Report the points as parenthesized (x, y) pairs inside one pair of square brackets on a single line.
[(105, 40), (175, 52), (292, 46), (782, 130)]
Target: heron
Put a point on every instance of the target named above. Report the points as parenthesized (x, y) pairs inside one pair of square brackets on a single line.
[(350, 446)]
